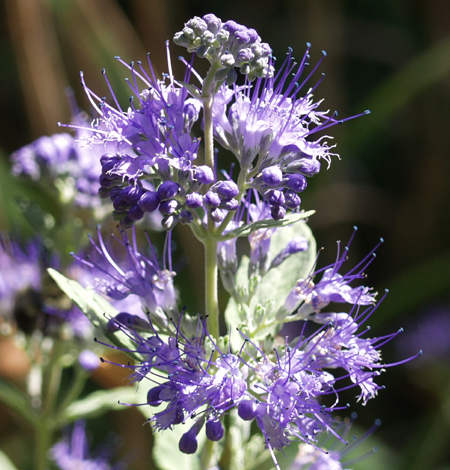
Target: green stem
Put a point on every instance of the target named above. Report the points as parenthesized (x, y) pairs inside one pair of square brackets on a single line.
[(43, 439), (211, 280), (207, 454), (76, 388), (208, 99), (43, 428), (209, 243), (208, 131), (52, 380)]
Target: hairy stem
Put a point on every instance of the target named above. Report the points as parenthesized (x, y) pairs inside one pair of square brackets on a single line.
[(209, 243), (211, 295), (208, 131)]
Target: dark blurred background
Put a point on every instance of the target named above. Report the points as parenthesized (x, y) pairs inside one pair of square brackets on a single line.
[(390, 56)]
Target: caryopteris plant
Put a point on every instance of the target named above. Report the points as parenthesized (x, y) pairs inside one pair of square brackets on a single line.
[(256, 384)]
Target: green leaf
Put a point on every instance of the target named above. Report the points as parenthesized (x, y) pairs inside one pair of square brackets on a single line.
[(259, 311), (94, 306), (166, 453), (17, 400), (246, 230), (98, 403), (5, 463), (276, 284)]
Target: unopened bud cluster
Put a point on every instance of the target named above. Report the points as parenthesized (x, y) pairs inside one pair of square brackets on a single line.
[(227, 45)]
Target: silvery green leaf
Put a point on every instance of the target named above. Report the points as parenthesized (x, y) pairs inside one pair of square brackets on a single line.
[(96, 308), (277, 283), (242, 280), (247, 229), (5, 462), (236, 311), (256, 311), (98, 403), (166, 453)]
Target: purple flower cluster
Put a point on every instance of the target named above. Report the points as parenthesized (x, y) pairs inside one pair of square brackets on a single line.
[(152, 163), (290, 392), (270, 127), (19, 271), (48, 153), (333, 286), (198, 385), (227, 45), (130, 278), (157, 172), (64, 156)]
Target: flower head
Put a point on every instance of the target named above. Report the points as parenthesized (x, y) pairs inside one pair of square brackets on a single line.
[(226, 45), (153, 165), (271, 127), (65, 157), (291, 392), (333, 286), (19, 271), (131, 274)]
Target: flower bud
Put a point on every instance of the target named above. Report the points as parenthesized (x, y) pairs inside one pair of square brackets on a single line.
[(227, 189), (214, 430), (278, 212), (149, 201), (188, 443), (135, 213), (293, 200), (204, 174), (168, 207), (247, 410), (212, 199), (88, 360), (275, 197), (167, 190), (272, 175), (153, 396), (194, 200), (218, 215), (296, 182)]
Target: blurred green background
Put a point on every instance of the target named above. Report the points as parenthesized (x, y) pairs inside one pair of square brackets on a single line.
[(390, 56)]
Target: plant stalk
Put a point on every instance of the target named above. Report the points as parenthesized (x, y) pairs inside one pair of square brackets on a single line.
[(43, 439), (209, 243), (211, 281)]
